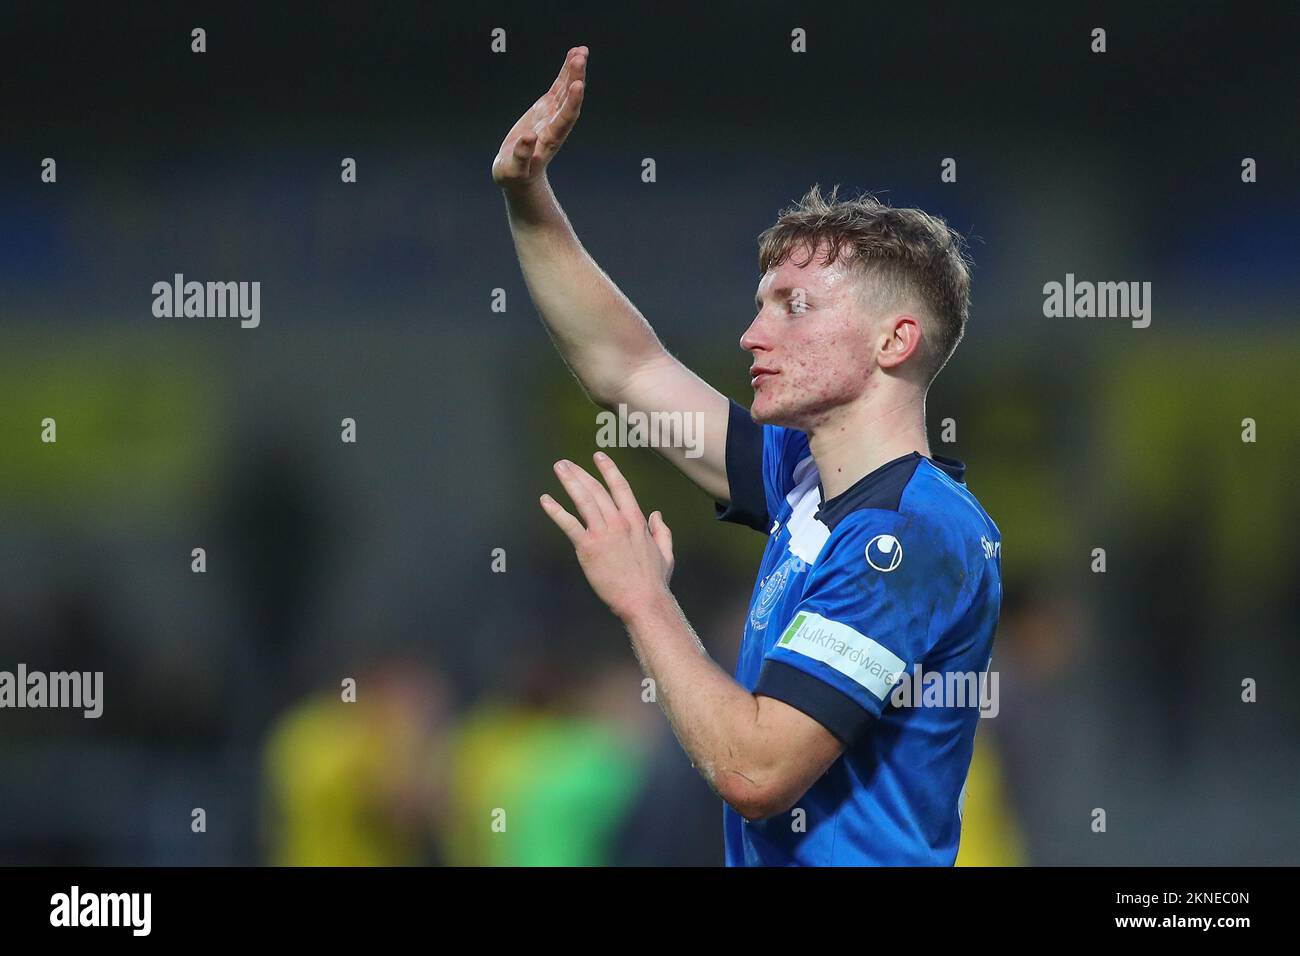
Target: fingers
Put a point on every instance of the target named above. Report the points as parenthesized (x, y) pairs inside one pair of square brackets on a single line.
[(600, 509), (561, 124), (608, 507), (567, 70), (562, 78), (577, 65), (566, 522), (619, 488), (592, 500), (577, 71)]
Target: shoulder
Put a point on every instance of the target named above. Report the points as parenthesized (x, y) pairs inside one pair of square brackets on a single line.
[(916, 521), (936, 500)]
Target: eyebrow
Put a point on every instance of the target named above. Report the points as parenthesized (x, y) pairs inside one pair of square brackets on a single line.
[(784, 292)]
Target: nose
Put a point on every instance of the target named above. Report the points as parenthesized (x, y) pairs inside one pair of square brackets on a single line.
[(753, 341)]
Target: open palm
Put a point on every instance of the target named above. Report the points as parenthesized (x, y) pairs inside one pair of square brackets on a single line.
[(538, 135)]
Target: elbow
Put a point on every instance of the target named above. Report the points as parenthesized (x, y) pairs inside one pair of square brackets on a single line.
[(755, 799), (604, 384), (603, 395)]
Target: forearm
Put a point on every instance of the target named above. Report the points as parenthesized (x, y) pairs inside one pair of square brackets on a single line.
[(599, 333), (715, 719)]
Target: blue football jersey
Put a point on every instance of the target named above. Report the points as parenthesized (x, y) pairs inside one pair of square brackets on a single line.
[(861, 600)]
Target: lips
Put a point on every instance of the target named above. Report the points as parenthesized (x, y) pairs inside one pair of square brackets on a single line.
[(758, 374)]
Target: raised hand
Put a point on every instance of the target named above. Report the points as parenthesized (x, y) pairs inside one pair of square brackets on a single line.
[(627, 559), (538, 135)]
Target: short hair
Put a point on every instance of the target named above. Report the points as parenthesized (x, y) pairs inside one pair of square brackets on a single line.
[(908, 254)]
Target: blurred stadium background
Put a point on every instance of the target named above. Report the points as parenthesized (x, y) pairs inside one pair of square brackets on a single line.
[(479, 690)]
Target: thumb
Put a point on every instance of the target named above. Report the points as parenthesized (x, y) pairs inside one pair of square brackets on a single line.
[(663, 537), (520, 158)]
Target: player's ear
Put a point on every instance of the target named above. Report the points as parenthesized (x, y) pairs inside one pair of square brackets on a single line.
[(901, 338)]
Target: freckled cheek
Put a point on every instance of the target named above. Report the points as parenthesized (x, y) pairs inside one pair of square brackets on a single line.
[(825, 375), (809, 380)]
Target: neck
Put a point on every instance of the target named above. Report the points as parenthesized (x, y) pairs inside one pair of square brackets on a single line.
[(854, 440)]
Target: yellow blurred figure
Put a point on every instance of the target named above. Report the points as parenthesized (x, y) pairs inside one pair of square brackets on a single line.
[(352, 784), (989, 833)]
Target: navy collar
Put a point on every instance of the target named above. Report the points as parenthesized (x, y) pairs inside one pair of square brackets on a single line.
[(882, 488)]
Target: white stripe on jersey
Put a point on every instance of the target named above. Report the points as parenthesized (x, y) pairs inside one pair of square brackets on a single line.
[(807, 534)]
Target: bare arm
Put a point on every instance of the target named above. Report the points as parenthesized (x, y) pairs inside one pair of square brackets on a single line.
[(602, 337), (759, 754)]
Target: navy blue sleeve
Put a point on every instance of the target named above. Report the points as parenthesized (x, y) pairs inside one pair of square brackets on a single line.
[(835, 711), (744, 456)]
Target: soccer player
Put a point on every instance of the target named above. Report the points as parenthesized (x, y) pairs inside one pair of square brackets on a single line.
[(880, 563)]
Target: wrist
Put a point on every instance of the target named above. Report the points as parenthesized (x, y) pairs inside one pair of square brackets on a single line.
[(652, 607), (528, 202)]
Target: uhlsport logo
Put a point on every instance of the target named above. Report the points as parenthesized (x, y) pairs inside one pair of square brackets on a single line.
[(884, 552)]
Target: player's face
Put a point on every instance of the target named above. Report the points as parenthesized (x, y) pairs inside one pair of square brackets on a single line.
[(812, 343)]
